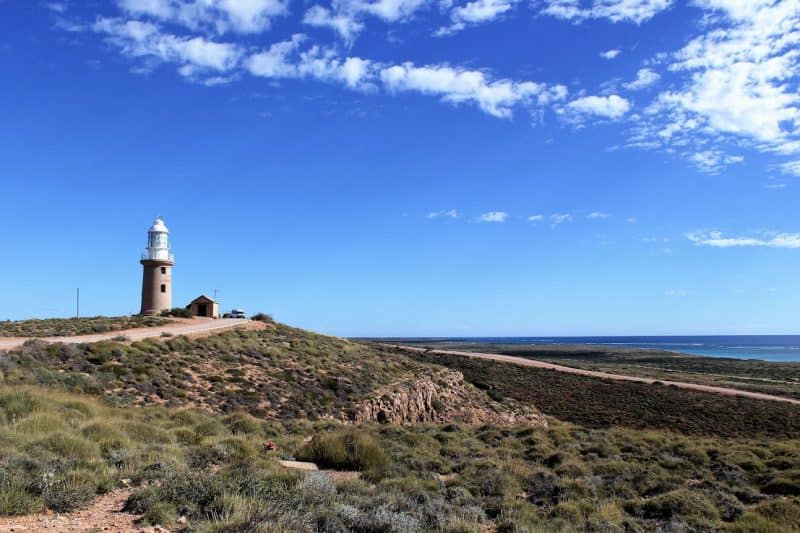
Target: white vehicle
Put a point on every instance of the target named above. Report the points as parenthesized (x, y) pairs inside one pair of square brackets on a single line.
[(238, 313)]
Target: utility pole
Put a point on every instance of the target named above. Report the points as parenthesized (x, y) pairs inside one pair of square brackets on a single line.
[(78, 303)]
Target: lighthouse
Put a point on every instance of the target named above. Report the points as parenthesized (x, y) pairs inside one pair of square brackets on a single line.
[(157, 264)]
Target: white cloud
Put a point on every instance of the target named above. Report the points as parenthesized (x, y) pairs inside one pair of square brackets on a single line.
[(241, 16), (450, 213), (612, 106), (195, 55), (713, 161), (495, 97), (718, 240), (678, 293), (536, 218), (597, 215), (791, 167), (644, 78), (610, 54), (56, 7), (493, 216), (740, 79), (636, 11), (285, 60), (346, 17), (475, 12), (560, 218), (631, 220), (345, 25)]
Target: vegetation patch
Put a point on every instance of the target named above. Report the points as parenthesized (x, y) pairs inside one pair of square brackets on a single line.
[(600, 403), (66, 327)]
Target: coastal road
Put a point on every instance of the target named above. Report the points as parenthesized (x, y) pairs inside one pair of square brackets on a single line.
[(522, 361), (191, 327)]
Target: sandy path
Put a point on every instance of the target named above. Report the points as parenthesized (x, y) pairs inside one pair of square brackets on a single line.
[(103, 514), (605, 375), (194, 326)]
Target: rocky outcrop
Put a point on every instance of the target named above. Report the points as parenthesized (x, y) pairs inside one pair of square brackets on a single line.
[(442, 397)]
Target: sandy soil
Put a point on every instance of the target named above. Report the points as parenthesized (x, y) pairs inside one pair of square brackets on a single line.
[(104, 514), (186, 326), (605, 375)]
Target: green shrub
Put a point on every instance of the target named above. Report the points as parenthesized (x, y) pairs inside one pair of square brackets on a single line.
[(784, 511), (179, 312), (17, 404), (69, 491), (782, 486), (15, 500), (679, 503), (263, 317), (160, 513), (242, 423), (348, 449)]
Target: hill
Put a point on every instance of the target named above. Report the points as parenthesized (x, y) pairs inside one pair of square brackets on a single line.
[(278, 372), (180, 425)]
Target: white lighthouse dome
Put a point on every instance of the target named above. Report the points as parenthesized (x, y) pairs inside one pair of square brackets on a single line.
[(158, 226), (158, 248)]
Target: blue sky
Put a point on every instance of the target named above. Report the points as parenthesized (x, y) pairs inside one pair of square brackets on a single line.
[(409, 167)]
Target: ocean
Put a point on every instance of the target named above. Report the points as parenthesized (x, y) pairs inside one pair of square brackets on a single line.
[(785, 348)]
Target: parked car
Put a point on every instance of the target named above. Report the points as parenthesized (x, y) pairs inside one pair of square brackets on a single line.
[(238, 313)]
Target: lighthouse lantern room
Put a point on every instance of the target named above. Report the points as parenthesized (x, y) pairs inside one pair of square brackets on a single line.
[(157, 264)]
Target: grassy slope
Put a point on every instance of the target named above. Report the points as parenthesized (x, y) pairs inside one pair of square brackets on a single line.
[(65, 327), (60, 448), (753, 375), (279, 373)]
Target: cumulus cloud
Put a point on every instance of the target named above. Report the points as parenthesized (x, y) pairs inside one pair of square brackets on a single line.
[(495, 97), (612, 106), (636, 11), (597, 215), (644, 78), (475, 12), (194, 55), (345, 25), (535, 218), (718, 240), (740, 85), (610, 54), (240, 16), (346, 17), (286, 60), (493, 216)]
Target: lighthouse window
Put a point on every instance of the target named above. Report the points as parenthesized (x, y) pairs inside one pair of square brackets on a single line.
[(163, 270), (163, 288)]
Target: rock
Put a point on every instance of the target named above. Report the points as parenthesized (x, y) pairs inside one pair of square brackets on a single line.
[(182, 520), (442, 397)]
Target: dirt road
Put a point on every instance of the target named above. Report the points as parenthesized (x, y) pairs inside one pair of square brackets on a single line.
[(605, 375), (192, 327)]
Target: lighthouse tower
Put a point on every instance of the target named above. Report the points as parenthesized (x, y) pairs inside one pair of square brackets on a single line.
[(157, 262)]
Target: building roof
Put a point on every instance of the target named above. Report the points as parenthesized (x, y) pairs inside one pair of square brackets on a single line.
[(203, 299)]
